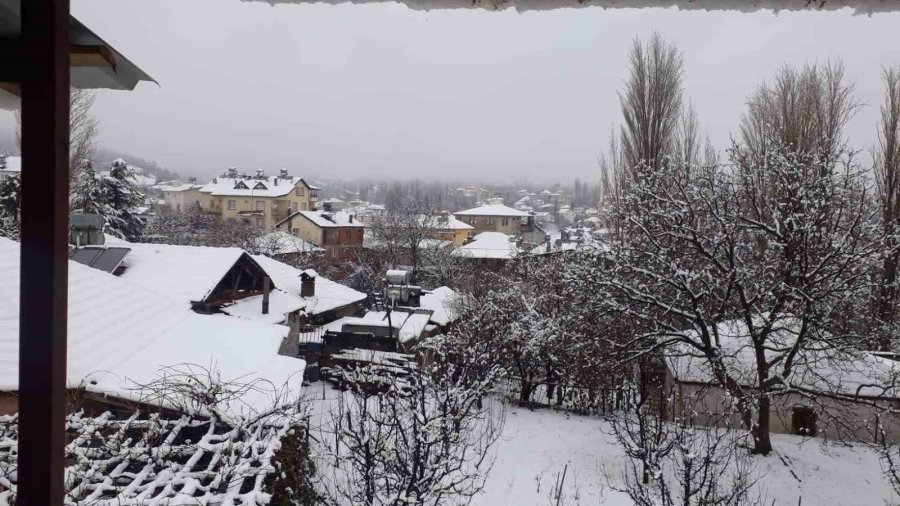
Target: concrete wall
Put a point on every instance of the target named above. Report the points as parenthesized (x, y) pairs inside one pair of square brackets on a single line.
[(836, 420)]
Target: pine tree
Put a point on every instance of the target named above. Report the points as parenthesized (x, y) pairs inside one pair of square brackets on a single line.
[(10, 191), (118, 199)]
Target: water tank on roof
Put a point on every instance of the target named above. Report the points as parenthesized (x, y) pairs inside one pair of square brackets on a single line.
[(397, 277)]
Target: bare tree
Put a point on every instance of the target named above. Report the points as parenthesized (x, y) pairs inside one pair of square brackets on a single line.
[(402, 233), (886, 156), (651, 103), (676, 463), (802, 109), (426, 440), (83, 127), (790, 267)]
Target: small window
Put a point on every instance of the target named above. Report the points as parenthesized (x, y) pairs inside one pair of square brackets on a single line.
[(304, 206), (259, 221), (299, 191), (260, 205), (232, 204), (505, 221), (489, 221), (296, 232), (293, 207), (803, 421), (347, 234)]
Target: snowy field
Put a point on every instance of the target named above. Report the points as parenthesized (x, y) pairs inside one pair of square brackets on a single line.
[(538, 446)]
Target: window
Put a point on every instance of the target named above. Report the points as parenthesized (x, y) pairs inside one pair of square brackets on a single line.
[(299, 191), (304, 206), (505, 221), (259, 221), (296, 232), (474, 221), (260, 205), (347, 234), (232, 204), (178, 207), (293, 207), (803, 421), (489, 221)]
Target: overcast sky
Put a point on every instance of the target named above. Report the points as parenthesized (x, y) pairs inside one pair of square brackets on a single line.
[(381, 89)]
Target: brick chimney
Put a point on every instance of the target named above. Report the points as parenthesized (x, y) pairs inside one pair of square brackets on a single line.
[(307, 285)]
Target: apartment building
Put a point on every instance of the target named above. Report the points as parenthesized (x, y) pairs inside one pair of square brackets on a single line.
[(259, 199)]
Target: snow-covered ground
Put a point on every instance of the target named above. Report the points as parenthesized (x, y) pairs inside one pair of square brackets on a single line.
[(538, 446)]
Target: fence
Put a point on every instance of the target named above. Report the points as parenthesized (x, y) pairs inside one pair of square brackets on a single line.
[(567, 398)]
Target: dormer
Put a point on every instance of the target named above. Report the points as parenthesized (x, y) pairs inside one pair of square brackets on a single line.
[(240, 186), (260, 186)]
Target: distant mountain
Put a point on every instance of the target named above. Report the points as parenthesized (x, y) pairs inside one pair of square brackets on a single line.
[(105, 157)]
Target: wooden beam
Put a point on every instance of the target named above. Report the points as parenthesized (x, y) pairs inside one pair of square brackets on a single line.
[(44, 251), (13, 59), (91, 56)]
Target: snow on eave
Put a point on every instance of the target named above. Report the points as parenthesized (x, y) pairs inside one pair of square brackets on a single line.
[(858, 6)]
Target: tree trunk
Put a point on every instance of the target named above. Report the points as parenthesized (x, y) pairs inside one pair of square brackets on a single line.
[(762, 441), (525, 393)]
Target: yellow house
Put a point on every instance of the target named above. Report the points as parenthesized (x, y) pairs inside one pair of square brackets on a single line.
[(260, 199), (445, 227)]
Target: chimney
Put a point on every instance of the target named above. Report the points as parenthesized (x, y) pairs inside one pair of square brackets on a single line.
[(267, 287), (284, 173), (350, 217), (547, 241), (259, 174), (307, 285), (232, 172)]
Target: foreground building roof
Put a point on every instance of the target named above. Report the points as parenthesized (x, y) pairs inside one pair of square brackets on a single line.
[(859, 6), (121, 334)]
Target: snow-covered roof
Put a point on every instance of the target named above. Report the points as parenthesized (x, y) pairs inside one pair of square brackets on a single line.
[(176, 186), (120, 334), (440, 301), (328, 295), (280, 305), (448, 222), (492, 210), (270, 186), (182, 273), (411, 323), (280, 242), (488, 245), (325, 219), (12, 164), (815, 369)]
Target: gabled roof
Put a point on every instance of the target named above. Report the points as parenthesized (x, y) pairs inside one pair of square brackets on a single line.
[(328, 295), (182, 273), (271, 186), (324, 219), (448, 222), (492, 210), (494, 245), (120, 333)]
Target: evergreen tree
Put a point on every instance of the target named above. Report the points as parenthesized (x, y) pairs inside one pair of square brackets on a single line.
[(10, 191), (119, 198), (85, 196)]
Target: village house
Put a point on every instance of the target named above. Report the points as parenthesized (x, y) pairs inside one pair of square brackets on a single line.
[(446, 227), (828, 395), (180, 196), (491, 249), (496, 217), (259, 199), (339, 233)]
